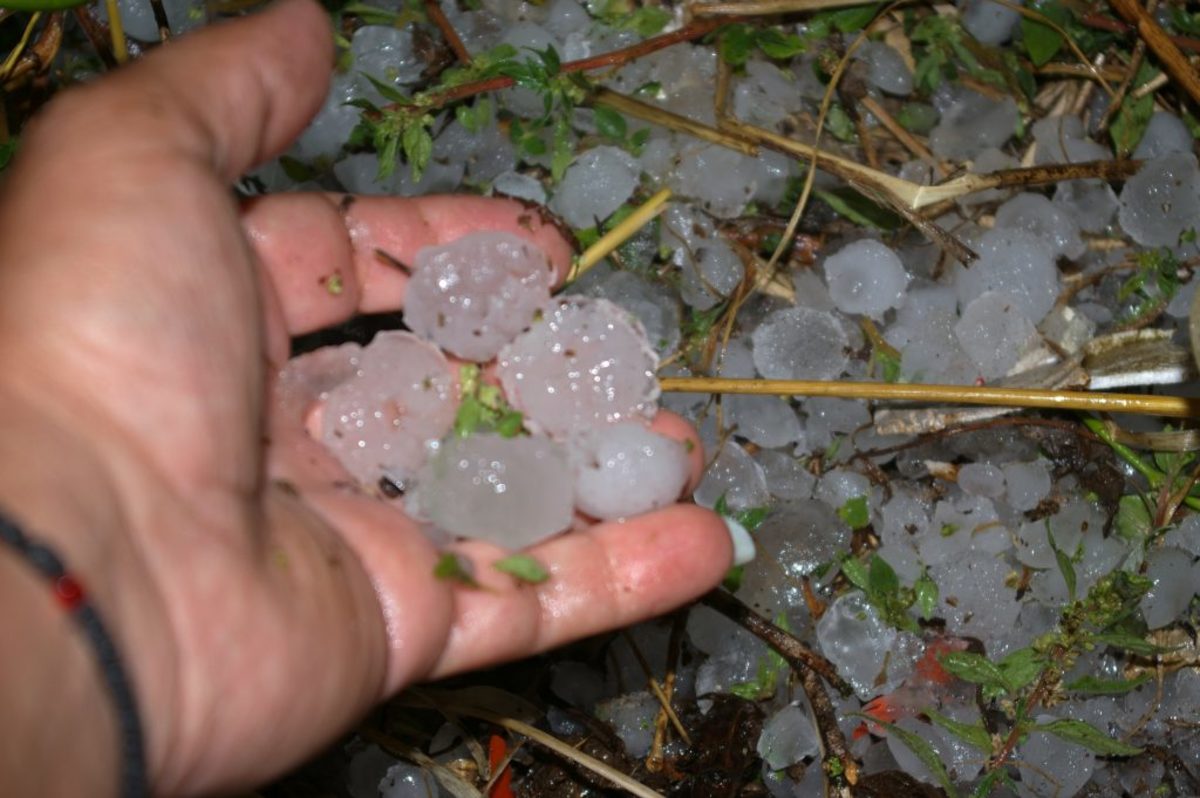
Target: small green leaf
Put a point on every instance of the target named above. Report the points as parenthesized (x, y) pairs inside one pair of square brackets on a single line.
[(610, 123), (735, 43), (1090, 685), (388, 91), (882, 582), (752, 518), (859, 209), (779, 45), (988, 783), (1091, 738), (927, 595), (1064, 562), (564, 148), (510, 424), (856, 572), (7, 150), (523, 567), (974, 668), (919, 118), (924, 751), (855, 512), (973, 734), (1021, 667), (733, 578), (854, 18), (294, 168), (452, 568), (1133, 522), (1129, 125), (1131, 643), (646, 21), (418, 147), (1043, 42), (839, 123)]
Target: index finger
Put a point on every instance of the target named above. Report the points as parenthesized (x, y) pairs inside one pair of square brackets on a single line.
[(329, 257)]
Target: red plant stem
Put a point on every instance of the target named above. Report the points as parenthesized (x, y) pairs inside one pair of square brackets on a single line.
[(438, 17), (690, 32), (502, 784), (1101, 22)]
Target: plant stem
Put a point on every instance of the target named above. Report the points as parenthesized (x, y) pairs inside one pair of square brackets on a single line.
[(1172, 406)]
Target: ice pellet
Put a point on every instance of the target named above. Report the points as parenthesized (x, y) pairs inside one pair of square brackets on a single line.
[(970, 123), (401, 396), (626, 469), (587, 362), (513, 492), (1036, 214), (1162, 201), (789, 736), (1166, 134), (1174, 585), (995, 334), (866, 277), (1015, 263), (800, 344), (595, 185), (475, 294)]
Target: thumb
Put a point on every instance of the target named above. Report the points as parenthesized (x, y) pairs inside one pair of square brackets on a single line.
[(231, 95)]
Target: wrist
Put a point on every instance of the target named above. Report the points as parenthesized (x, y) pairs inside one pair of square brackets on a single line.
[(61, 494)]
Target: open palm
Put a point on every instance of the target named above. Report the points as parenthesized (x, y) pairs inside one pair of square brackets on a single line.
[(261, 604)]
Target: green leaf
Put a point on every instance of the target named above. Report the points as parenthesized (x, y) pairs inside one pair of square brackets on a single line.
[(294, 168), (1021, 667), (973, 734), (733, 578), (777, 44), (882, 582), (927, 595), (988, 783), (41, 5), (854, 18), (7, 150), (418, 146), (752, 518), (646, 21), (1064, 562), (388, 91), (924, 751), (859, 209), (452, 568), (855, 512), (387, 144), (1091, 738), (1131, 643), (974, 668), (735, 44), (1133, 522), (1131, 120), (564, 148), (839, 123), (523, 567), (919, 118), (610, 123), (856, 572), (1090, 685), (1043, 42)]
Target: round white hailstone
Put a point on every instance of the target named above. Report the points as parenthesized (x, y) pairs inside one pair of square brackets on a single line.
[(407, 781), (651, 303), (840, 486), (1174, 585), (787, 737), (794, 541), (763, 420), (625, 469), (331, 127), (1091, 202), (786, 477), (1049, 765), (856, 640), (632, 718), (734, 475), (513, 184), (1165, 135), (995, 334), (971, 123), (587, 362), (800, 344), (513, 492), (990, 23), (386, 53), (1038, 215), (378, 422), (718, 179), (866, 277), (886, 70), (1162, 201), (1061, 139), (981, 479), (595, 184), (766, 95), (473, 295), (1015, 263)]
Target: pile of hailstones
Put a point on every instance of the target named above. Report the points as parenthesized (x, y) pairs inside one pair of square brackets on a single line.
[(579, 370)]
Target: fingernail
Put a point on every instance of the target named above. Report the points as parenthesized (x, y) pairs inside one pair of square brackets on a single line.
[(743, 544)]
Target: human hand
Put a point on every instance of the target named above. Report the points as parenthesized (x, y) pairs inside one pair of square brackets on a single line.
[(260, 605)]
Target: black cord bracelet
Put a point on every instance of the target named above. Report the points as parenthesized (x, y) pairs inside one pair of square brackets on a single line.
[(72, 598)]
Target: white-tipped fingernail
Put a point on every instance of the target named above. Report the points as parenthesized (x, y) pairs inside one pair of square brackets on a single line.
[(743, 544)]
